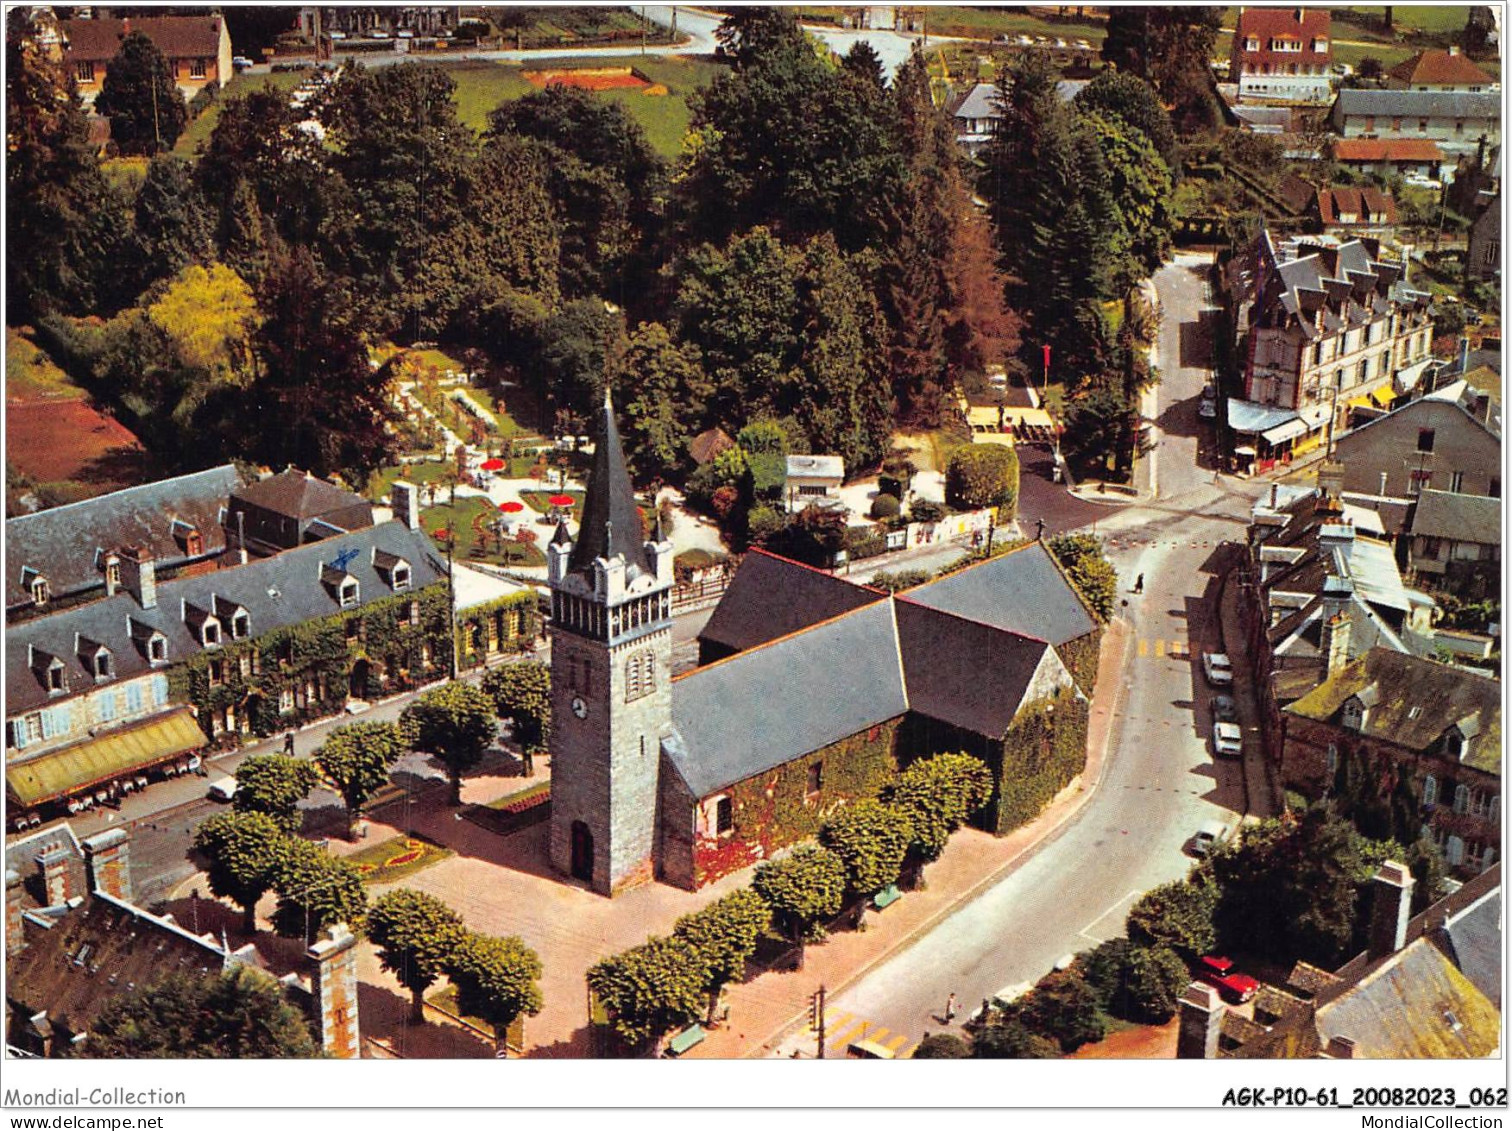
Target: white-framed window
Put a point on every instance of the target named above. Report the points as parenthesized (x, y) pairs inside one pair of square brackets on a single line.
[(157, 650), (41, 592), (55, 680), (113, 574), (32, 726), (724, 816), (1454, 851), (210, 634), (1430, 789), (1354, 715), (1331, 759), (348, 592), (401, 577), (84, 71), (196, 68), (244, 665), (286, 700), (414, 612), (1461, 798), (241, 626), (102, 664)]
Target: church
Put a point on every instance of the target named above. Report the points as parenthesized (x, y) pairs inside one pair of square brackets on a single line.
[(812, 692)]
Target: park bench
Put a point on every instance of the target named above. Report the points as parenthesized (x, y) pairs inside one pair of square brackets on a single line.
[(886, 897), (685, 1040)]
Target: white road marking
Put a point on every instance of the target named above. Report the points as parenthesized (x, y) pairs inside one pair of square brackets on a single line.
[(1130, 898)]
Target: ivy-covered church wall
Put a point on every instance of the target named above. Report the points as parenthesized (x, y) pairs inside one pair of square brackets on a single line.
[(506, 624), (1080, 657), (1043, 750), (775, 809), (313, 663)]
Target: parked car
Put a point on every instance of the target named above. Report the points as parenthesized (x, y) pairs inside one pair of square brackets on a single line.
[(405, 33), (1208, 410), (336, 35), (1216, 666), (1233, 986), (222, 789), (1209, 835), (1228, 740), (240, 62), (1224, 709)]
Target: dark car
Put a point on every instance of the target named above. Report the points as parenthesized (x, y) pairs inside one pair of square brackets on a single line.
[(1235, 987)]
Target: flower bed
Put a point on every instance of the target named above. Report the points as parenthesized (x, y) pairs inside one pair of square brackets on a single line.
[(389, 860)]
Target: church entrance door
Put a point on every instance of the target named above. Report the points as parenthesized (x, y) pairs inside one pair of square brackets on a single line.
[(582, 852)]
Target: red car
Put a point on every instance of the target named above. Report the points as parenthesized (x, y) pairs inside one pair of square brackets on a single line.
[(1233, 986)]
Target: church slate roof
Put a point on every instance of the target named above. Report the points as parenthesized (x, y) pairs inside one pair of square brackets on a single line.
[(772, 596), (764, 707), (276, 592), (1021, 591), (63, 543), (962, 672), (611, 518)]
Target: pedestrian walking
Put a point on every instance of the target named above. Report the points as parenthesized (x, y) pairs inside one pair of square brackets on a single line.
[(1139, 584), (289, 744), (950, 1009)]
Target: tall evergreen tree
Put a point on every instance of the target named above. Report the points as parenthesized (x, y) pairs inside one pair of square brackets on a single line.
[(146, 111), (173, 225)]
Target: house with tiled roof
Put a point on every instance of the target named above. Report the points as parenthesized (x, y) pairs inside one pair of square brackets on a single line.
[(1413, 994), (1330, 321), (822, 691), (1455, 119), (75, 939), (1350, 213), (198, 49), (279, 512), (1283, 55), (1398, 157), (1454, 543), (64, 554), (1442, 440), (1434, 69), (105, 696)]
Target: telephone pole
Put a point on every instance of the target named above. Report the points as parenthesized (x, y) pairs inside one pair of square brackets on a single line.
[(816, 1018)]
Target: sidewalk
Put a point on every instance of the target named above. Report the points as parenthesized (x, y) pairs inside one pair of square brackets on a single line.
[(1262, 790), (766, 1008)]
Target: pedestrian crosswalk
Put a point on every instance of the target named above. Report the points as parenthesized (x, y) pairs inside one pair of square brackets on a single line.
[(841, 1029), (1176, 648)]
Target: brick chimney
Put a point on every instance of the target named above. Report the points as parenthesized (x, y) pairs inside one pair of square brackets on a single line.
[(15, 905), (1390, 908), (333, 985), (405, 499), (1333, 642), (1201, 1013), (108, 859), (112, 573), (57, 876), (1331, 478), (139, 575)]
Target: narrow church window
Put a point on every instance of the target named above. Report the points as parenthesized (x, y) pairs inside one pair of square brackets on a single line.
[(724, 816), (815, 778)]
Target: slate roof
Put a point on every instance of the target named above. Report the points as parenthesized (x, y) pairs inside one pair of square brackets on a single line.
[(1021, 591), (764, 707), (1459, 518), (1473, 941), (1387, 149), (962, 672), (1440, 68), (1416, 702), (298, 494), (980, 102), (276, 592), (21, 858), (64, 543), (1419, 103), (1415, 1006), (177, 37), (611, 520), (771, 596)]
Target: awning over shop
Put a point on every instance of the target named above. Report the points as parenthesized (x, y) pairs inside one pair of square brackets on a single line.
[(1252, 418), (1383, 396), (99, 760), (1359, 402), (1289, 430)]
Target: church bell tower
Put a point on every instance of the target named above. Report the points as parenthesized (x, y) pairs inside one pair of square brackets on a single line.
[(611, 680)]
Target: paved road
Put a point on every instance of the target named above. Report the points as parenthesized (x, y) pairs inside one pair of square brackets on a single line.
[(1184, 357)]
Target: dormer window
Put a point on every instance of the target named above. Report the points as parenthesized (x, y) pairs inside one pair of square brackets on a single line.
[(241, 626), (102, 667), (401, 577), (1454, 745), (348, 591), (210, 634), (1354, 715), (113, 573), (194, 543), (56, 682), (41, 592), (394, 568), (157, 649)]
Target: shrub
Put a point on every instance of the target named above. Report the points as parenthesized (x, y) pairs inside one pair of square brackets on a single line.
[(983, 475), (1178, 915), (1063, 1007), (1156, 978), (895, 582), (942, 1046), (763, 522), (1012, 1040), (803, 889), (925, 510), (885, 506), (939, 794), (1106, 968), (872, 839)]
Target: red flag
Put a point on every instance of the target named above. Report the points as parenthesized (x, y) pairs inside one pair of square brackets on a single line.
[(1047, 359)]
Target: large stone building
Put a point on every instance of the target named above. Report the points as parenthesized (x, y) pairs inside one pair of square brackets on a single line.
[(823, 690), (1457, 120), (1438, 441), (1283, 55), (1329, 323), (198, 50)]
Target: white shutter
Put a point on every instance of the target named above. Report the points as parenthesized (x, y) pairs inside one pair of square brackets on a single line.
[(159, 690), (1489, 858), (1455, 853), (1430, 789), (1461, 798)]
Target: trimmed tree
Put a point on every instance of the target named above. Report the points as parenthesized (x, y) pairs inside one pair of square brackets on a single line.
[(942, 1046), (724, 935), (1012, 1040), (245, 855), (1063, 1006), (417, 936), (651, 989), (456, 723), (871, 838), (274, 784), (1090, 571), (983, 475), (315, 891), (497, 980), (803, 889), (1156, 978), (236, 1014), (938, 795), (522, 692), (146, 111), (1178, 915), (356, 760)]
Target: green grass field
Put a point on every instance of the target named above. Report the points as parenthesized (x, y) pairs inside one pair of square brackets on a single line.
[(201, 128), (31, 375), (467, 516)]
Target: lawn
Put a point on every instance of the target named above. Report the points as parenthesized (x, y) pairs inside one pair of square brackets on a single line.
[(393, 859), (30, 375), (430, 471), (471, 516), (537, 500)]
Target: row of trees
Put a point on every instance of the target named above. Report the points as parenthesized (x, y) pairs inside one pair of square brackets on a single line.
[(670, 982)]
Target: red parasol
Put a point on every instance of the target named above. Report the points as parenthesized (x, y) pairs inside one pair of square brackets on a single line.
[(561, 500), (493, 465), (511, 507)]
